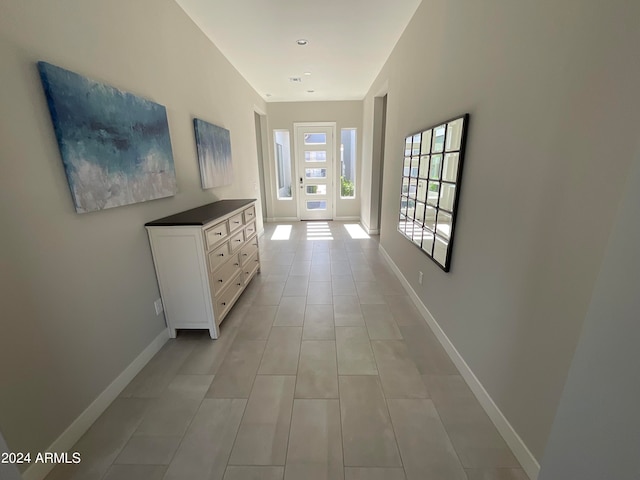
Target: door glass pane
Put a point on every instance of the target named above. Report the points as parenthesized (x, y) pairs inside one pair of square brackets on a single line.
[(317, 205), (320, 189), (348, 163), (315, 156), (315, 138), (424, 166), (316, 172), (407, 167), (405, 186)]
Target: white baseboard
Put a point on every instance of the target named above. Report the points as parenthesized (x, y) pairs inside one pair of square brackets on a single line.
[(282, 219), (347, 219), (37, 471), (529, 463), (370, 231)]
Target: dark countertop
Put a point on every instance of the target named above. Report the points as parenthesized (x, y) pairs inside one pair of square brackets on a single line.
[(202, 215)]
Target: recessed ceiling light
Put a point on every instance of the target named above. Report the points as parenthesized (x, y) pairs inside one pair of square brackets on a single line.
[(307, 73), (295, 79), (267, 94), (302, 42)]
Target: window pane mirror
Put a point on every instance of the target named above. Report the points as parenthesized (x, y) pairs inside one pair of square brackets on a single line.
[(431, 174)]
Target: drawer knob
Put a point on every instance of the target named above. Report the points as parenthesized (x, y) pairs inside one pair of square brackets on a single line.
[(245, 254), (221, 254), (239, 284), (256, 260), (221, 281), (218, 233), (223, 303), (238, 240), (236, 264)]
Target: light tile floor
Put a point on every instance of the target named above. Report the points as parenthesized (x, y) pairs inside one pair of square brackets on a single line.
[(324, 370)]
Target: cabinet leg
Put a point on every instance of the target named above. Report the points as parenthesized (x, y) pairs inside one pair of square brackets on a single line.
[(172, 332), (213, 334)]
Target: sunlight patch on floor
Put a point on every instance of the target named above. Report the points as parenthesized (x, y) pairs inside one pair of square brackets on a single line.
[(282, 232), (356, 231)]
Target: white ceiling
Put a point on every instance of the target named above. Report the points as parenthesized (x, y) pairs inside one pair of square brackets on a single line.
[(349, 41)]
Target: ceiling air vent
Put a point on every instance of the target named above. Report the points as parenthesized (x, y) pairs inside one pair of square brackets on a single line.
[(295, 79)]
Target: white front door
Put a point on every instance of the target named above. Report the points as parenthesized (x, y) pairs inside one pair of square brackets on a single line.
[(314, 157)]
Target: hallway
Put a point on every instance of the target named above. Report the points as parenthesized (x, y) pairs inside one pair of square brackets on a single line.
[(324, 370)]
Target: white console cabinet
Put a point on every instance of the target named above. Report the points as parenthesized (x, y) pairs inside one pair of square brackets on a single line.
[(204, 259)]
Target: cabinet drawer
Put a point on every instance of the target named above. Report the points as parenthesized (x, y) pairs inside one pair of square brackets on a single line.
[(225, 300), (250, 230), (236, 241), (235, 222), (224, 274), (215, 234), (218, 256), (249, 215), (248, 250), (249, 269)]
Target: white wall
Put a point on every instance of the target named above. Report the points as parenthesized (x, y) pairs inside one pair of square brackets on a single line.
[(552, 92), (283, 115), (596, 432), (77, 291)]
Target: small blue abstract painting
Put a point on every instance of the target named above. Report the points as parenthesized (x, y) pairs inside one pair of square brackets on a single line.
[(115, 146), (214, 154)]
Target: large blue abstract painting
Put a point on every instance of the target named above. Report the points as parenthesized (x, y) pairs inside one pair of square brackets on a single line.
[(214, 154), (115, 146)]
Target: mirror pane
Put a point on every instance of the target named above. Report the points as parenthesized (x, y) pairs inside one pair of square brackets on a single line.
[(426, 142), (438, 139), (411, 209), (413, 187), (427, 241), (422, 191), (419, 212), (440, 251), (454, 135), (407, 146), (406, 170), (417, 233), (315, 156), (435, 167), (402, 225), (447, 196), (404, 201), (450, 170), (416, 144), (424, 166), (414, 166), (443, 226), (430, 218), (405, 186), (433, 194)]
